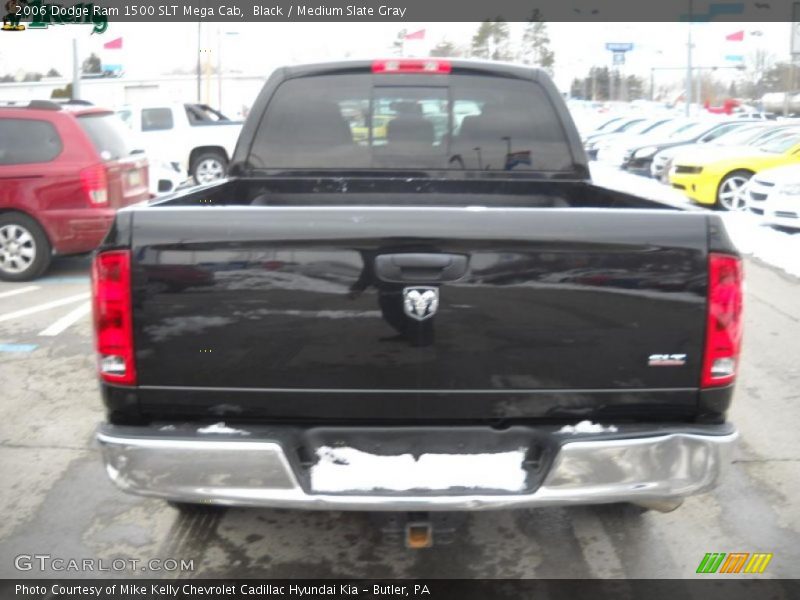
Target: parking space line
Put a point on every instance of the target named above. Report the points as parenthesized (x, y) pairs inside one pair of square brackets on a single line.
[(30, 288), (67, 320), (65, 279), (40, 307), (597, 546), (18, 347)]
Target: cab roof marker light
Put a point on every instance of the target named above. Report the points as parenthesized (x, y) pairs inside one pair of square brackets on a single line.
[(412, 65)]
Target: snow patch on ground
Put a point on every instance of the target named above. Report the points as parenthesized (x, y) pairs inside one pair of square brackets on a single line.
[(587, 427), (774, 247), (347, 469), (748, 232), (221, 428), (613, 178)]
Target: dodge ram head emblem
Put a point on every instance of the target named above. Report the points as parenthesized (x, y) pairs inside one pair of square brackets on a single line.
[(420, 303)]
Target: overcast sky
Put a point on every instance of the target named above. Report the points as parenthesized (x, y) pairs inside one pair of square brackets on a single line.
[(256, 48)]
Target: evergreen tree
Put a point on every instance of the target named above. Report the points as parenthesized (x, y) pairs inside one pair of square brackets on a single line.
[(92, 64), (536, 44), (492, 40)]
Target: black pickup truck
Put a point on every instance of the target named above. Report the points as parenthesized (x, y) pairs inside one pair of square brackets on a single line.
[(409, 296)]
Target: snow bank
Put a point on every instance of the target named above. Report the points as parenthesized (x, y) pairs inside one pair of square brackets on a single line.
[(613, 178), (347, 469), (774, 247), (747, 231)]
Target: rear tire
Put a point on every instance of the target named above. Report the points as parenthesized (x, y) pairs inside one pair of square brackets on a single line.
[(25, 251), (730, 192), (208, 167)]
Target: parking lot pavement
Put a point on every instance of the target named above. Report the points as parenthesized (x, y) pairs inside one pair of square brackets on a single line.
[(56, 500)]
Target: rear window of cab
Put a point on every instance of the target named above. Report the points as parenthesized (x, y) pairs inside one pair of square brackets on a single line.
[(467, 122)]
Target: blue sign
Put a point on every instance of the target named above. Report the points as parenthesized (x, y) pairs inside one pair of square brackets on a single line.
[(719, 9), (619, 47)]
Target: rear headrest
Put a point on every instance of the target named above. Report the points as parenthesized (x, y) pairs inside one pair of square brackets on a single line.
[(410, 130), (407, 108), (317, 122)]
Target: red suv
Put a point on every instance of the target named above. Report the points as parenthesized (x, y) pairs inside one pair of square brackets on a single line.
[(64, 171)]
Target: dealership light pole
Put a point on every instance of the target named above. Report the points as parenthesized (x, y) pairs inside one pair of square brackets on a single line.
[(76, 71), (220, 34), (198, 62), (795, 51), (688, 92), (219, 68)]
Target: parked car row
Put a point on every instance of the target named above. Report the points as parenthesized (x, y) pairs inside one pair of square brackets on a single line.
[(190, 138), (67, 167), (722, 162)]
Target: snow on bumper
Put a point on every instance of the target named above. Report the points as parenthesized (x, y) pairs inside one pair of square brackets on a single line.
[(251, 470)]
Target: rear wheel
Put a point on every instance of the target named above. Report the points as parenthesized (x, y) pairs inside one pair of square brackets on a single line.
[(731, 191), (209, 166), (25, 251)]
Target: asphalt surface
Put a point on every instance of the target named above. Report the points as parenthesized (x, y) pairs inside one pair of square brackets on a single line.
[(55, 498)]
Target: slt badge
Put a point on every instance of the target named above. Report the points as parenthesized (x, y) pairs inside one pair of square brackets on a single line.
[(420, 303)]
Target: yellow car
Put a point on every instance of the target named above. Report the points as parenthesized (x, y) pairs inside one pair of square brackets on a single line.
[(379, 123), (718, 179)]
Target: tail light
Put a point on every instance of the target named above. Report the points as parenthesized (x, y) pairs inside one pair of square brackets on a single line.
[(724, 320), (94, 183), (113, 322), (412, 65)]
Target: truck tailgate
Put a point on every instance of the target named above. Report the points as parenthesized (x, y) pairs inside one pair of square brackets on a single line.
[(309, 312)]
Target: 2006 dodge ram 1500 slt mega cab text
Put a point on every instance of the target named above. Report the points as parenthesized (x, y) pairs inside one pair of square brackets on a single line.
[(439, 313)]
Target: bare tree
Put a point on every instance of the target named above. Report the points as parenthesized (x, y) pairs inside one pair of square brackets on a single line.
[(758, 66)]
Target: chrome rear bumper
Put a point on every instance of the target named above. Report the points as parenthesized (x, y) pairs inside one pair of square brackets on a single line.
[(248, 471)]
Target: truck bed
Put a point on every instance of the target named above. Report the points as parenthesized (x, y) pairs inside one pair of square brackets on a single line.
[(261, 300)]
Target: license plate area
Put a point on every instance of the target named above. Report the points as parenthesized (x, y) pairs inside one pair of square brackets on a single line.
[(424, 461), (134, 178)]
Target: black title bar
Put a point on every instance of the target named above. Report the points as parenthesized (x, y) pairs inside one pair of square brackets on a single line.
[(426, 10), (713, 588)]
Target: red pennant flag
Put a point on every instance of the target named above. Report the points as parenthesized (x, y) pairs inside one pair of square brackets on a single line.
[(113, 44), (417, 35), (735, 37)]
